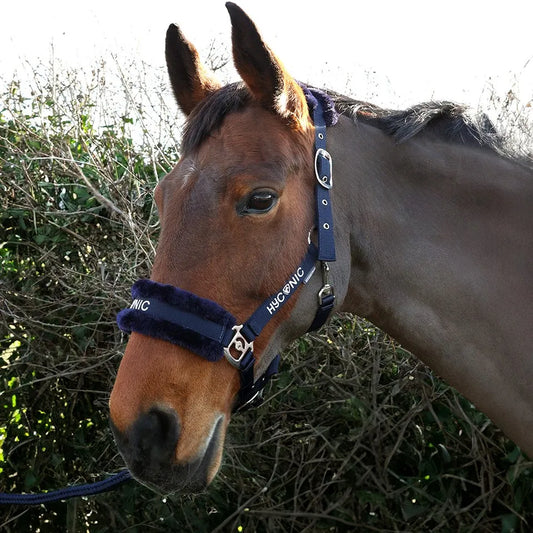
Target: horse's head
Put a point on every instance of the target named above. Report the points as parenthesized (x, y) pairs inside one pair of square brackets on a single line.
[(235, 215)]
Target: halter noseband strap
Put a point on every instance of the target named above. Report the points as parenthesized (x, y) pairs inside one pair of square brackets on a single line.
[(207, 329)]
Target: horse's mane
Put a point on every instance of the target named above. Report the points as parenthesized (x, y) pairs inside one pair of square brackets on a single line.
[(448, 119), (451, 122)]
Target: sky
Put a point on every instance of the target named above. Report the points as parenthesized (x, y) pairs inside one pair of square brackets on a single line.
[(387, 52)]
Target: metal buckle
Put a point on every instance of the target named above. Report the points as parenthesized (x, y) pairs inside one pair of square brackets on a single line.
[(327, 289), (324, 180), (239, 344)]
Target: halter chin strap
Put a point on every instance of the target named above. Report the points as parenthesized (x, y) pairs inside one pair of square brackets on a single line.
[(207, 329)]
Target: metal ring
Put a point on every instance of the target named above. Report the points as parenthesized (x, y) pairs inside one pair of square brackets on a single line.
[(325, 225), (324, 202)]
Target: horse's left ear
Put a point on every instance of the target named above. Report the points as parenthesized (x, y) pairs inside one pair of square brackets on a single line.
[(263, 72)]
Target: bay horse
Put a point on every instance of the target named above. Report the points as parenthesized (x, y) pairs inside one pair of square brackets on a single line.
[(433, 233)]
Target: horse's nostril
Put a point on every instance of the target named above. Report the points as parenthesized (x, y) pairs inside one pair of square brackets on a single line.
[(155, 434)]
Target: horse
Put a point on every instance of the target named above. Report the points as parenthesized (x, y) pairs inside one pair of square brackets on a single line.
[(432, 226)]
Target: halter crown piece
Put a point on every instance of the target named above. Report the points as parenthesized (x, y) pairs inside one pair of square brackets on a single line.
[(207, 329)]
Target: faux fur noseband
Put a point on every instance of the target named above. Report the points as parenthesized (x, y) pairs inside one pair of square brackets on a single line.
[(177, 316)]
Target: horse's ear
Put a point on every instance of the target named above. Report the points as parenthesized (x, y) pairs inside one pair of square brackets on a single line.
[(191, 82), (263, 72)]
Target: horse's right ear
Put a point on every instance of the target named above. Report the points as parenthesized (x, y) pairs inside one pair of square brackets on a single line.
[(191, 82)]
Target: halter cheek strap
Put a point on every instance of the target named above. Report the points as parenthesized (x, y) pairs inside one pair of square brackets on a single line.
[(207, 329)]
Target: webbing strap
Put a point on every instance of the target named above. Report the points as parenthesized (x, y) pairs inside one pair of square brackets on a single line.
[(250, 393), (323, 312), (324, 215), (323, 171), (262, 315)]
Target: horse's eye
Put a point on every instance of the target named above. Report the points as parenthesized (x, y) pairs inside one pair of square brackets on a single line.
[(258, 202)]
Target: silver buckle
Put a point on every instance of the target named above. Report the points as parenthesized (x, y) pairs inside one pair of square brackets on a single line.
[(327, 289), (325, 181), (239, 344)]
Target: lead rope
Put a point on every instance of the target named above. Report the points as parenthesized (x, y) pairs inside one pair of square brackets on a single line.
[(74, 491)]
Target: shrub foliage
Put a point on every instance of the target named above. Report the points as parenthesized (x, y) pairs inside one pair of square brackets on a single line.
[(356, 435)]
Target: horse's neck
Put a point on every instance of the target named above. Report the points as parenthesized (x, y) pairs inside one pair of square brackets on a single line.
[(442, 255)]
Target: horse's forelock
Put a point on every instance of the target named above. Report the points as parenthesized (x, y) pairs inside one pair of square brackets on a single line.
[(209, 114)]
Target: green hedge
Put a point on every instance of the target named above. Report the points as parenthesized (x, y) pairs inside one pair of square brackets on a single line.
[(356, 434)]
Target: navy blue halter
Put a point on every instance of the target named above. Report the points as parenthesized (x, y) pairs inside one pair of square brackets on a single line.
[(207, 329)]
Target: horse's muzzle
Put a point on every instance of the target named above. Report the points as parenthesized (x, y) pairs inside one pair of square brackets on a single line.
[(149, 450)]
